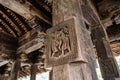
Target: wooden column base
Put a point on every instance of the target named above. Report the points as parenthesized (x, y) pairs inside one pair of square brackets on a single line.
[(72, 71)]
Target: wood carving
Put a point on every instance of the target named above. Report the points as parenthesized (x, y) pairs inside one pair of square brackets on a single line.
[(61, 44)]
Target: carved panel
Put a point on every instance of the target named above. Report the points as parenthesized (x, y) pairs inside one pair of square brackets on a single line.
[(61, 44)]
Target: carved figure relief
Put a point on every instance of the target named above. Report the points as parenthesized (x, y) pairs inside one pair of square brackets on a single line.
[(61, 44)]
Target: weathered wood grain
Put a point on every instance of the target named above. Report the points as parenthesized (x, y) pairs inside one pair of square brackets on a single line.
[(31, 41), (62, 11), (61, 44), (8, 44), (108, 65), (30, 46), (24, 9), (30, 35)]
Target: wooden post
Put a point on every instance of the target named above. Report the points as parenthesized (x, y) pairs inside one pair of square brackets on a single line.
[(50, 75), (62, 11), (1, 77), (33, 71), (15, 70), (108, 65)]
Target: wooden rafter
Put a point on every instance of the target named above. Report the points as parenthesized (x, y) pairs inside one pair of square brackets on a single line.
[(24, 10), (11, 23)]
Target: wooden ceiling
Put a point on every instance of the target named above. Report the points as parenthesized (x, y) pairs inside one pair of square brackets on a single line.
[(17, 26), (12, 23)]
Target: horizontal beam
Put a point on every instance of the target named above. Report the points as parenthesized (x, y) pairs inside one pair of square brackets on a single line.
[(5, 37), (30, 46), (27, 37), (3, 63), (8, 44), (26, 10), (31, 41)]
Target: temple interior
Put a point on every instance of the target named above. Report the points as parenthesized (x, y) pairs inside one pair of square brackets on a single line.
[(62, 37)]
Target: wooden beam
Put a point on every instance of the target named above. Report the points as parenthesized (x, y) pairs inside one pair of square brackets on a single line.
[(30, 42), (3, 63), (11, 22), (8, 43), (89, 13), (26, 10), (30, 35), (8, 39), (8, 29), (30, 46), (114, 38)]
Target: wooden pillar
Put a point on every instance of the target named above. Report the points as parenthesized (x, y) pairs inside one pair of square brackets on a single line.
[(15, 70), (1, 78), (62, 11), (108, 65), (33, 72), (50, 75)]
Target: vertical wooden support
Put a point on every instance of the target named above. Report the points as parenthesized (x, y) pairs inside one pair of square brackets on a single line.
[(63, 10), (33, 71), (15, 70), (50, 75), (108, 65), (1, 77)]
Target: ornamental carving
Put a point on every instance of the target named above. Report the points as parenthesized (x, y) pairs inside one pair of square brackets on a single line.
[(61, 44)]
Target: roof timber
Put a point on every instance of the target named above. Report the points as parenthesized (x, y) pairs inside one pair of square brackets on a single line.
[(12, 23), (3, 63), (30, 42), (28, 39), (24, 10)]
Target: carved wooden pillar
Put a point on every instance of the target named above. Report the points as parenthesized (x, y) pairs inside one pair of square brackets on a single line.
[(33, 72), (15, 70), (108, 65), (83, 67)]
